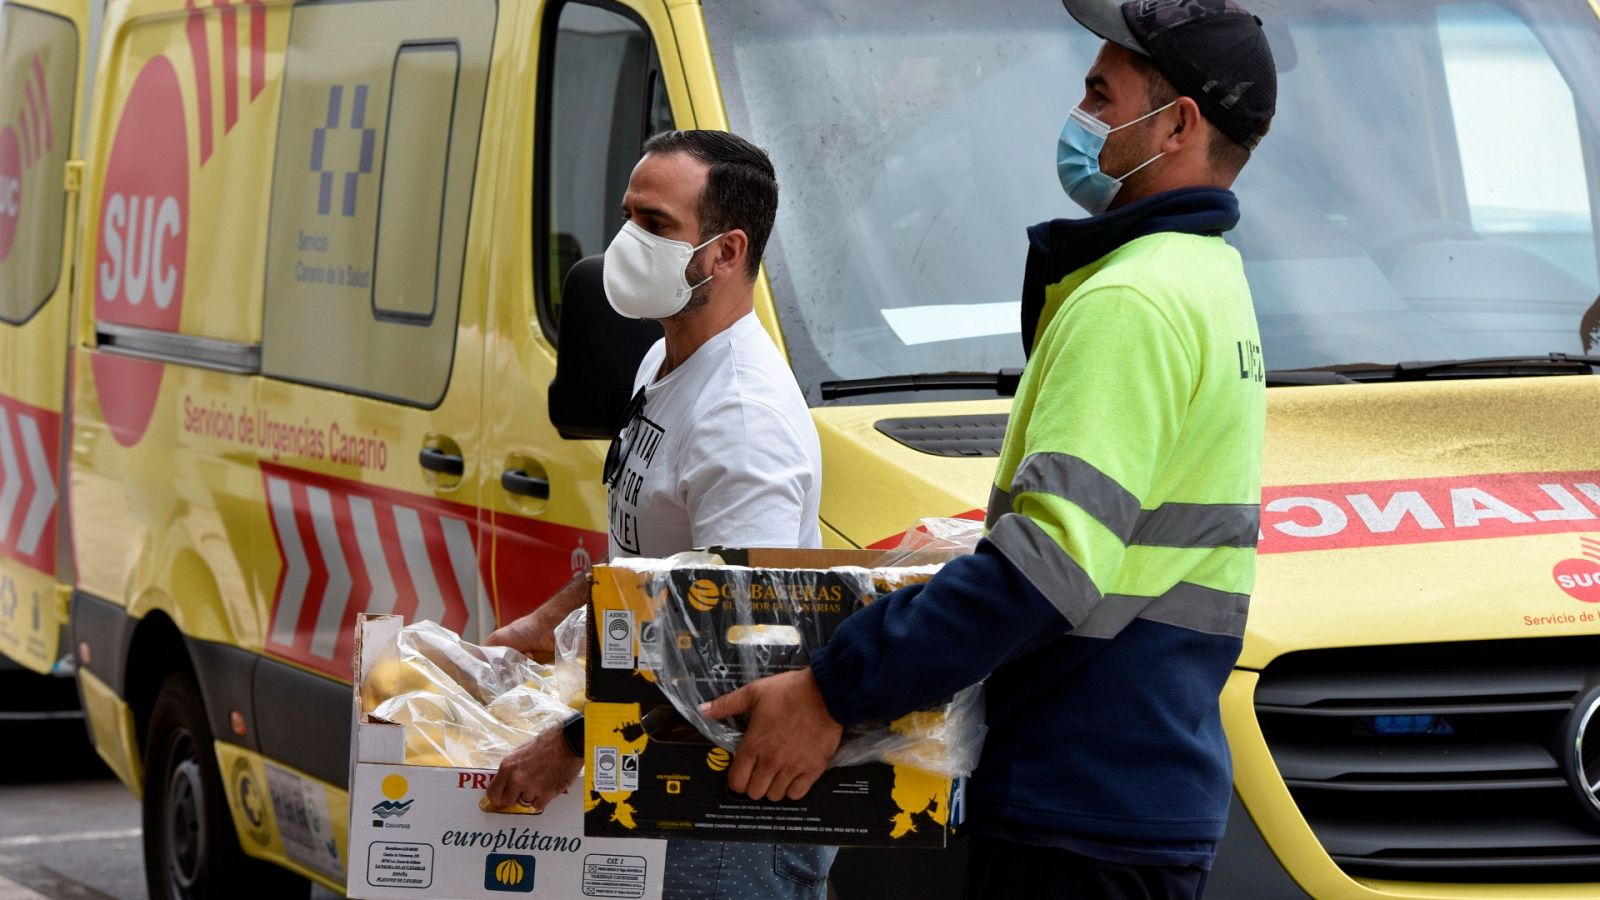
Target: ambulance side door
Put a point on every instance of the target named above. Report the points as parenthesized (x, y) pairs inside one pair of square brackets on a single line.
[(605, 83), (366, 422), (42, 48)]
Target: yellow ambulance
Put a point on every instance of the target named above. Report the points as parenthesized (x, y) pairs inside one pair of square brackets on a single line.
[(44, 49), (315, 337)]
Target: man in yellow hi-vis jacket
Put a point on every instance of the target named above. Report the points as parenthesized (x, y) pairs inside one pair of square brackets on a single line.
[(1107, 605)]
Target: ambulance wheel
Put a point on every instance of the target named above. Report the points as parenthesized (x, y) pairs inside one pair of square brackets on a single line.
[(191, 851)]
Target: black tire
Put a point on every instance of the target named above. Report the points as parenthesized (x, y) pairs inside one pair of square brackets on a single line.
[(191, 851)]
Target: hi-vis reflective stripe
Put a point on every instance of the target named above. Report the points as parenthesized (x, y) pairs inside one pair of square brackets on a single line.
[(1051, 569), (1169, 525), (1190, 606), (1080, 483), (1198, 525), (1068, 588), (999, 505), (29, 443), (349, 548)]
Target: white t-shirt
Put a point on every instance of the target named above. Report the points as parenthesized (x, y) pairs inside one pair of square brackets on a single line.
[(724, 452)]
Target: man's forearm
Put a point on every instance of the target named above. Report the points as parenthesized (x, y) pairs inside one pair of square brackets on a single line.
[(535, 632), (571, 595)]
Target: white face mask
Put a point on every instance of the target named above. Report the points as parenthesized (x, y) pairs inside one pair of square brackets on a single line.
[(646, 274)]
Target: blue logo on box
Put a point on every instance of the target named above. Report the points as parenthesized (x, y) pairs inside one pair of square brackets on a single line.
[(508, 872)]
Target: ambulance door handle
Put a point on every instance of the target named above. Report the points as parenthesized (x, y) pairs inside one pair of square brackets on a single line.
[(443, 463), (518, 482)]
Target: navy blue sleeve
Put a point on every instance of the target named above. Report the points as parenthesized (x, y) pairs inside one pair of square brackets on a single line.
[(921, 644)]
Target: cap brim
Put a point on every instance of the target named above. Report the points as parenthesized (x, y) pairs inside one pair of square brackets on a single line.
[(1104, 18)]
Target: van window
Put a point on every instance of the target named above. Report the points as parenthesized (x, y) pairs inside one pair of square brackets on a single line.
[(377, 146), (1517, 126), (38, 79), (417, 156), (913, 141), (605, 96)]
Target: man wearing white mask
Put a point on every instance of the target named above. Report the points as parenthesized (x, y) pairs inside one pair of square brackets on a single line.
[(717, 447)]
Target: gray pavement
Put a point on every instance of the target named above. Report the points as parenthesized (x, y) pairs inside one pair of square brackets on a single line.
[(68, 829)]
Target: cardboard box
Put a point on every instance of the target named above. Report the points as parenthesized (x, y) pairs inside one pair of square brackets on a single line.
[(649, 772), (417, 831)]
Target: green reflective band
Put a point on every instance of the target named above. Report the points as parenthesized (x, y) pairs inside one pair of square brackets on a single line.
[(1190, 606), (1080, 483), (1051, 569), (1198, 525), (999, 505)]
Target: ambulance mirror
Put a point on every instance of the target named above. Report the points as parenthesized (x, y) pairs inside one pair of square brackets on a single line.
[(597, 355)]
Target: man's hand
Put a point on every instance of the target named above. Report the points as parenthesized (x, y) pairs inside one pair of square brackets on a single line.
[(790, 739), (535, 633), (535, 773)]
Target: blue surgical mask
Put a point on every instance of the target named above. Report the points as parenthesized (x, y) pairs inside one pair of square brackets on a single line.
[(1078, 160)]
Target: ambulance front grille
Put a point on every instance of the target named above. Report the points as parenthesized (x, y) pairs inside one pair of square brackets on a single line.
[(1442, 762)]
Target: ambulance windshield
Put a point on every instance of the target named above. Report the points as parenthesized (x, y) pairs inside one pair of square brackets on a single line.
[(1429, 188)]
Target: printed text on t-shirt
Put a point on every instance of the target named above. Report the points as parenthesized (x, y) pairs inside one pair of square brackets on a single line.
[(642, 438)]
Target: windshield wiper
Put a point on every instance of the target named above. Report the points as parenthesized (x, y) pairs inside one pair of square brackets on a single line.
[(1489, 366), (1300, 377), (1003, 383), (1496, 364)]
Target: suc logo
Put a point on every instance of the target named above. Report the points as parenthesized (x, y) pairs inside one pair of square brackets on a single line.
[(10, 189), (143, 241), (1579, 576)]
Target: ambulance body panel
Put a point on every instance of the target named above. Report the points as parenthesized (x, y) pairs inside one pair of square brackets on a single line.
[(42, 51)]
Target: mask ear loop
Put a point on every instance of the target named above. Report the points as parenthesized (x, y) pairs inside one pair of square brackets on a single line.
[(1138, 120), (707, 279), (1129, 174)]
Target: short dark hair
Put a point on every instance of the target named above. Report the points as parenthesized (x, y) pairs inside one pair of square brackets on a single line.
[(1225, 154), (741, 189)]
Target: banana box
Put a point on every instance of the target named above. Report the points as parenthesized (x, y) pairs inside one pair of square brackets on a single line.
[(699, 627), (418, 831)]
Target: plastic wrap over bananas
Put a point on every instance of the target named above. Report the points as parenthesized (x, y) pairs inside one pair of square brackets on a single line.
[(467, 706), (721, 627)]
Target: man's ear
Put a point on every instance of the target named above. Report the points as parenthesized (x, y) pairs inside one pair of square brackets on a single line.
[(1190, 132), (731, 252)]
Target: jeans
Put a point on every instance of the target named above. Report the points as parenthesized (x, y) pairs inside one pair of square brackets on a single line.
[(716, 870)]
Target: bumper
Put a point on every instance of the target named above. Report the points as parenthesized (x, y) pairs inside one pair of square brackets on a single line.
[(26, 696)]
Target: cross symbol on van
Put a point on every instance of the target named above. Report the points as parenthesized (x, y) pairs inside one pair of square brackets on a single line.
[(341, 153)]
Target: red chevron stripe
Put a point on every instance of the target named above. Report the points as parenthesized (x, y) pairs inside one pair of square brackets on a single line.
[(530, 559), (200, 54), (33, 113), (360, 584), (258, 47), (230, 65), (318, 583), (405, 604), (44, 100), (26, 142), (455, 606), (43, 557)]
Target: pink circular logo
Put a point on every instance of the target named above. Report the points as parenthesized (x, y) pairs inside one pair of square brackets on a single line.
[(10, 189), (1580, 578), (143, 241)]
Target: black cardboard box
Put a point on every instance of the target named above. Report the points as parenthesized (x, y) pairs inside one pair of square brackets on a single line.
[(650, 773)]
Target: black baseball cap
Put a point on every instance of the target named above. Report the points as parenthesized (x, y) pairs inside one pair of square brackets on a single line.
[(1214, 51)]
